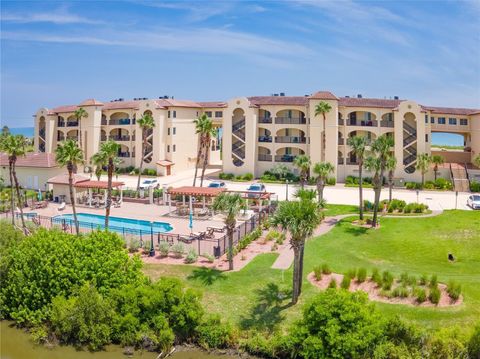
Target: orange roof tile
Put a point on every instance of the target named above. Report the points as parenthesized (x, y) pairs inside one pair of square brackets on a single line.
[(368, 102), (196, 191), (97, 184), (323, 95), (278, 100), (63, 179), (213, 104), (39, 160), (451, 110), (91, 102)]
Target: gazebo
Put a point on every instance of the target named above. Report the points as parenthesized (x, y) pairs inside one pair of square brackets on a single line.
[(100, 185), (204, 192)]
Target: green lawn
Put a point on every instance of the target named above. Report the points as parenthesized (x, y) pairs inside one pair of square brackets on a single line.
[(249, 298)]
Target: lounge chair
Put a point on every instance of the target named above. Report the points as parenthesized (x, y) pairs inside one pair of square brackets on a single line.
[(117, 204), (62, 206), (214, 229)]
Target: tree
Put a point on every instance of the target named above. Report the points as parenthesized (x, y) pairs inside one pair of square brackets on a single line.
[(359, 144), (423, 164), (14, 146), (230, 205), (79, 114), (204, 128), (146, 123), (109, 151), (4, 138), (390, 166), (302, 162), (209, 132), (99, 161), (5, 130), (299, 218), (322, 109), (69, 155), (322, 170), (436, 160)]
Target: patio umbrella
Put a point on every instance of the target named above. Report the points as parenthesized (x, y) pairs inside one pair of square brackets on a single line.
[(190, 222), (39, 195)]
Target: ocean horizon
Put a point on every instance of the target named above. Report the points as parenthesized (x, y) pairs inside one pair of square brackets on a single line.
[(26, 131)]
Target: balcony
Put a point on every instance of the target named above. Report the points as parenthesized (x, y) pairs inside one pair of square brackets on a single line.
[(341, 122), (120, 122), (290, 120), (290, 139), (341, 141), (104, 122), (265, 120), (285, 158), (340, 161), (363, 123), (123, 154), (386, 123), (264, 157), (350, 162), (264, 138), (120, 138), (72, 123), (60, 123)]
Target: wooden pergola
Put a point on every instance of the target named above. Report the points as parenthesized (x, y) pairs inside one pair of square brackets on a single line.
[(89, 185), (190, 191)]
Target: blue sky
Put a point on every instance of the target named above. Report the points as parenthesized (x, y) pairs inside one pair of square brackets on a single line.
[(55, 53)]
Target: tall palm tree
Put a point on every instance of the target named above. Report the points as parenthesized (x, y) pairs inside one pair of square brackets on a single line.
[(322, 109), (436, 160), (205, 129), (209, 132), (99, 161), (69, 155), (4, 139), (14, 146), (299, 218), (230, 205), (79, 114), (423, 165), (302, 162), (146, 123), (359, 144), (390, 166), (109, 151), (322, 170)]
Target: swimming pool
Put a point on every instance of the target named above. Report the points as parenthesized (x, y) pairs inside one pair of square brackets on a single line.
[(116, 224)]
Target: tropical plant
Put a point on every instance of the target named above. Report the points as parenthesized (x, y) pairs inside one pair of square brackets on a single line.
[(69, 155), (302, 162), (359, 144), (146, 123), (299, 218), (4, 139), (14, 146), (436, 160), (423, 164), (230, 205), (99, 161), (322, 170), (205, 129), (79, 114), (476, 161), (109, 151), (322, 108), (391, 164)]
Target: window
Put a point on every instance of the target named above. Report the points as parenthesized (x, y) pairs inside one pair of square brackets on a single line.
[(432, 119), (463, 122), (426, 137), (452, 121), (168, 114), (426, 118), (218, 114), (174, 114), (174, 130), (168, 131), (441, 120), (174, 148), (168, 148), (208, 113)]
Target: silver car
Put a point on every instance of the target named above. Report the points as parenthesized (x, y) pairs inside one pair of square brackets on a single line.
[(474, 201)]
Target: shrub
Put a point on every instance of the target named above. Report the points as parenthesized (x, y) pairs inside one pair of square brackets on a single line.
[(317, 272), (386, 293), (434, 295), (352, 273), (191, 257), (361, 275), (413, 185), (367, 205), (401, 292), (164, 248), (396, 205), (177, 250), (331, 181), (423, 279), (443, 184), (226, 176), (332, 284), (279, 237), (454, 290), (387, 280), (247, 177), (474, 343), (213, 334), (345, 284), (149, 172), (474, 186), (433, 280), (376, 277), (421, 295), (326, 269), (208, 257), (134, 245)]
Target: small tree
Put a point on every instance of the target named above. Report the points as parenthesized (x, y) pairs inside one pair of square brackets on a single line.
[(423, 164), (359, 144), (322, 109), (145, 123), (205, 129), (436, 160), (230, 205), (322, 170), (302, 162), (391, 165)]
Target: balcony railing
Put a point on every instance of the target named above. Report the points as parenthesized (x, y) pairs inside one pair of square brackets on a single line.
[(72, 123), (264, 157), (341, 122), (265, 120), (121, 138), (104, 122), (364, 123), (340, 161), (291, 120), (264, 138), (122, 121), (386, 123), (285, 158), (341, 141), (290, 139), (60, 138), (350, 162), (60, 123), (124, 154), (41, 147), (75, 138)]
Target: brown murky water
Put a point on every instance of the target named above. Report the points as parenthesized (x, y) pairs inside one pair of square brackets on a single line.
[(16, 344)]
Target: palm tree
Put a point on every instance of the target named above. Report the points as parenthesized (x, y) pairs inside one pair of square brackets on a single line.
[(109, 151), (302, 162), (359, 144), (69, 155), (299, 218), (423, 164), (373, 164), (476, 161), (390, 166), (436, 160), (146, 123), (14, 146), (322, 109), (4, 139), (204, 128), (99, 161), (209, 132), (322, 170), (79, 114), (230, 205)]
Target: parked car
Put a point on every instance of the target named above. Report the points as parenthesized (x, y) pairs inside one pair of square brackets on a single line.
[(474, 201), (146, 184), (217, 184), (255, 190)]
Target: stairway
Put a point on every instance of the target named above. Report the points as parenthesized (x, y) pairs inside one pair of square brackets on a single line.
[(409, 147), (459, 177)]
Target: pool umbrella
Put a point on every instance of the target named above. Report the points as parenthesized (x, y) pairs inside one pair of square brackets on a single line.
[(39, 196), (190, 222)]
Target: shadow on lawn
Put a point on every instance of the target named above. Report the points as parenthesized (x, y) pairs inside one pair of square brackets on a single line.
[(356, 230), (208, 276), (267, 313)]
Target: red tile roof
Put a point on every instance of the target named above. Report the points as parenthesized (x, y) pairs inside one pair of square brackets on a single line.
[(65, 108), (97, 184), (196, 191), (368, 102), (120, 105), (278, 100), (451, 110), (216, 104), (323, 95), (39, 160), (91, 102), (63, 179)]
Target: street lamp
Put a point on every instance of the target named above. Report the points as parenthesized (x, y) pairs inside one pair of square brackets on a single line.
[(456, 199), (286, 190), (152, 248), (418, 192)]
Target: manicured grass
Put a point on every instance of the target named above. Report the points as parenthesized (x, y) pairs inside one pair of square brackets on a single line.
[(337, 209), (418, 246)]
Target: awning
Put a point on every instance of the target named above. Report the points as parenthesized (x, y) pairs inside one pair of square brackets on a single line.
[(98, 184), (195, 191), (165, 163)]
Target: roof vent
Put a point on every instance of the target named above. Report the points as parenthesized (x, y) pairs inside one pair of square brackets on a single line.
[(359, 96), (347, 96), (282, 93), (275, 94), (395, 97)]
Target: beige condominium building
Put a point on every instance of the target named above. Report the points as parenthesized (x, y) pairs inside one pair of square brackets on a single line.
[(260, 132)]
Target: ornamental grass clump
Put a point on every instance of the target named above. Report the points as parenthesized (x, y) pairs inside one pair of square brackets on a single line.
[(454, 290), (163, 248), (420, 295), (361, 275), (352, 273), (434, 295), (317, 272), (332, 284), (345, 284), (376, 277), (387, 280)]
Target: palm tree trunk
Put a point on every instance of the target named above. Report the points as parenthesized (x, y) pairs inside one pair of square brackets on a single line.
[(423, 179), (230, 231), (324, 138), (19, 197), (435, 170), (199, 154), (296, 270), (109, 191), (318, 192), (390, 190), (375, 206), (72, 197), (360, 188), (141, 162), (12, 197), (80, 134), (300, 271), (206, 151)]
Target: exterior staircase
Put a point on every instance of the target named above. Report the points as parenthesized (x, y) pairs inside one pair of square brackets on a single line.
[(459, 177), (409, 147)]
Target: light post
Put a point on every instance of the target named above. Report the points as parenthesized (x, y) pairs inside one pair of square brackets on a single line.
[(456, 199), (418, 192), (152, 249), (286, 190)]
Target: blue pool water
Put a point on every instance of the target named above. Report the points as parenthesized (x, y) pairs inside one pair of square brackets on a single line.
[(116, 224)]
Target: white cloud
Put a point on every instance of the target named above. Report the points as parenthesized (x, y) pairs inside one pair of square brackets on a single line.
[(59, 18)]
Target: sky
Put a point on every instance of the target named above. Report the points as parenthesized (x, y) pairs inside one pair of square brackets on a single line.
[(55, 53)]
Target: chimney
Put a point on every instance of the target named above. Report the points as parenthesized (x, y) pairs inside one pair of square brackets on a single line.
[(359, 96)]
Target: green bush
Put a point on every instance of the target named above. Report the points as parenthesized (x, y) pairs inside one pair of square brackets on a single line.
[(421, 295), (387, 280), (474, 186), (326, 269), (401, 292), (332, 284), (208, 257), (352, 273), (367, 205), (331, 181), (454, 290), (247, 177), (345, 284), (226, 176), (415, 208), (376, 277), (149, 172), (213, 334), (191, 257), (134, 245), (317, 272), (178, 250), (164, 248), (361, 275), (434, 295), (413, 185), (279, 237), (443, 184), (396, 205), (474, 343)]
